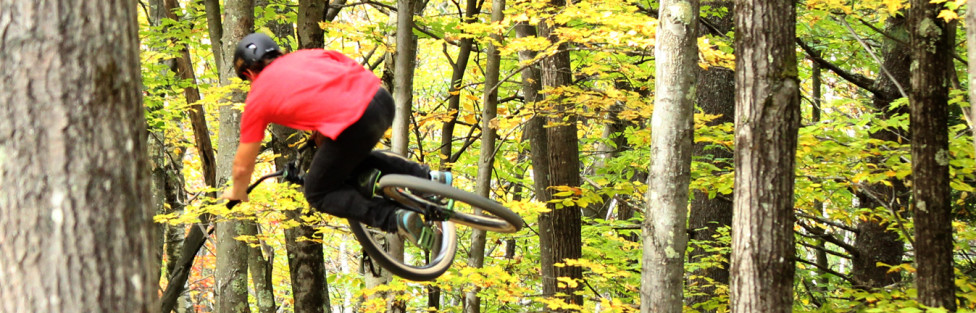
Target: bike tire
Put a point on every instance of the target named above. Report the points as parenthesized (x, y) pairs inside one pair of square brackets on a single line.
[(501, 219), (439, 261)]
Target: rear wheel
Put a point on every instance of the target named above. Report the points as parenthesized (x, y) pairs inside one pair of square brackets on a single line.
[(419, 264), (467, 208), (416, 193)]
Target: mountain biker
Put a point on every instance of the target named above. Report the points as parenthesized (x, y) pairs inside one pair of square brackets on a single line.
[(348, 112)]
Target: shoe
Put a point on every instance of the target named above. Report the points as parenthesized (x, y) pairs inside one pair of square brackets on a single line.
[(411, 227), (443, 177)]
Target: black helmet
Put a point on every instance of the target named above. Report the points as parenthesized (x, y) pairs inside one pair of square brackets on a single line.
[(252, 49)]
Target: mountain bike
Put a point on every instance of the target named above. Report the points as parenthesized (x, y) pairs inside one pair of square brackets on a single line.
[(441, 207)]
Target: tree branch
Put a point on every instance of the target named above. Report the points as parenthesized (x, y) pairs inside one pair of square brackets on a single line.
[(828, 222), (825, 250), (469, 140), (856, 79), (828, 238), (826, 270), (843, 20), (891, 208)]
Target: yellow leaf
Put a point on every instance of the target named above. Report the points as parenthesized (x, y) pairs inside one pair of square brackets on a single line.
[(570, 283), (470, 119), (893, 6), (948, 15)]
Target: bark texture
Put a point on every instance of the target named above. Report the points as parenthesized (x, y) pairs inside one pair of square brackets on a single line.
[(767, 119), (486, 160), (931, 48), (971, 47), (305, 257), (672, 134), (875, 242), (561, 227), (459, 66), (231, 276), (75, 219), (310, 288), (310, 14), (715, 95)]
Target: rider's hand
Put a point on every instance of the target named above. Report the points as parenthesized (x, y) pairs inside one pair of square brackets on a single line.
[(229, 194)]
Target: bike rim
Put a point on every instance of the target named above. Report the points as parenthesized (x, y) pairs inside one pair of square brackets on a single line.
[(415, 266)]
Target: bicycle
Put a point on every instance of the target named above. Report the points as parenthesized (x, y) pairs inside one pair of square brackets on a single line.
[(440, 205)]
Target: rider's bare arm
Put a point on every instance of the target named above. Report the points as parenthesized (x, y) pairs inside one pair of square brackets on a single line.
[(247, 152)]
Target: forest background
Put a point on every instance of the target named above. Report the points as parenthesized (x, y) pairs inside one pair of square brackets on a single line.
[(481, 84)]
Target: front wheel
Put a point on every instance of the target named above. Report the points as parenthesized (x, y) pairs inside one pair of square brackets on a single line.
[(418, 264)]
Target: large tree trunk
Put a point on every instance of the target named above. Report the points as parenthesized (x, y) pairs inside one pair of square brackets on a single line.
[(560, 228), (971, 47), (259, 266), (310, 288), (173, 180), (405, 59), (231, 276), (672, 134), (156, 148), (310, 14), (486, 161), (931, 46), (875, 242), (767, 118), (215, 30), (260, 255), (196, 237), (75, 219), (715, 95), (535, 132)]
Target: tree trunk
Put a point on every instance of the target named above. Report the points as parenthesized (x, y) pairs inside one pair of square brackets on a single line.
[(174, 194), (672, 134), (157, 161), (310, 14), (180, 270), (767, 118), (454, 101), (405, 58), (260, 268), (486, 161), (231, 276), (875, 242), (931, 46), (560, 228), (75, 219), (215, 29), (535, 132), (716, 96), (310, 287), (971, 48)]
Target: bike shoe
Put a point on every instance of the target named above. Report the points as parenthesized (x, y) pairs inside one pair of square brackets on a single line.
[(443, 177), (412, 227)]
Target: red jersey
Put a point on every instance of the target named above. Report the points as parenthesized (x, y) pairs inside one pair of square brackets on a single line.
[(308, 90)]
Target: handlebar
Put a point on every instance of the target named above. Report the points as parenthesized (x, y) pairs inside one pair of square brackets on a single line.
[(290, 173)]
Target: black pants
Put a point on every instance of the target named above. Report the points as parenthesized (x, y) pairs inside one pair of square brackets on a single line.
[(326, 187)]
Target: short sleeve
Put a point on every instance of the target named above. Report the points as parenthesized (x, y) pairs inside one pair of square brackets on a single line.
[(252, 126)]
